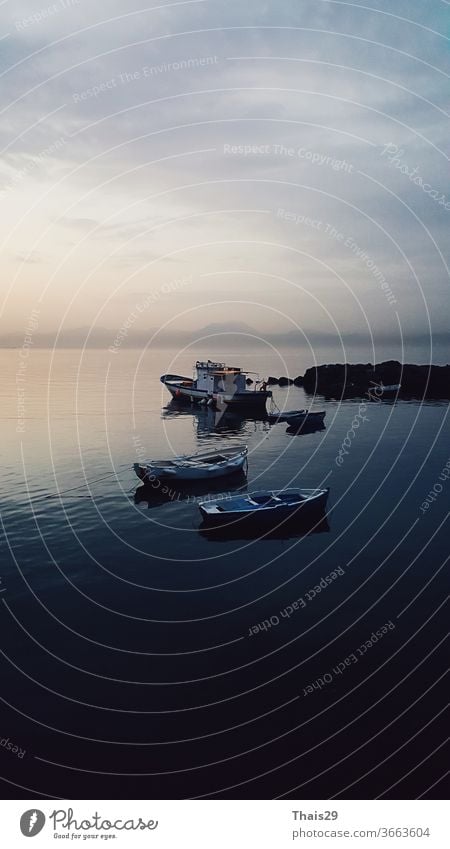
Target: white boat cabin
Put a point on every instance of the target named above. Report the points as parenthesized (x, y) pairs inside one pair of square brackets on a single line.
[(217, 377)]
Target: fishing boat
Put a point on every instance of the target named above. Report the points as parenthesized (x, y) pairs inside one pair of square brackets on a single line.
[(203, 465), (294, 418), (217, 384), (265, 506)]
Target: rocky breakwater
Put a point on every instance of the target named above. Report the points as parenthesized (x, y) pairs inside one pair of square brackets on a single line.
[(285, 381), (351, 381)]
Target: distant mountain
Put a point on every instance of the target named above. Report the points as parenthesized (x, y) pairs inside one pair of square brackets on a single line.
[(104, 337), (226, 327)]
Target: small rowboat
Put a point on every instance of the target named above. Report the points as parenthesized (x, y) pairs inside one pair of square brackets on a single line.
[(305, 418), (265, 506), (294, 418), (203, 465)]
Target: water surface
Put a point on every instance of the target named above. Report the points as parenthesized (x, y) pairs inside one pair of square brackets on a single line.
[(129, 663)]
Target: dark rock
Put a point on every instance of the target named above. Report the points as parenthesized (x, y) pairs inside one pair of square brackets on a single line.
[(343, 390), (426, 381), (388, 372), (285, 381), (272, 381), (298, 381), (345, 380)]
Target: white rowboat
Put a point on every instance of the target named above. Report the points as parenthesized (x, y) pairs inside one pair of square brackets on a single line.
[(201, 466)]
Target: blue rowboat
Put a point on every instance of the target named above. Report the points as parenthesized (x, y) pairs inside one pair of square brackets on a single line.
[(271, 506)]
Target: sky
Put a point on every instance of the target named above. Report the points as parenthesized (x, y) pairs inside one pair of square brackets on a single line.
[(188, 168)]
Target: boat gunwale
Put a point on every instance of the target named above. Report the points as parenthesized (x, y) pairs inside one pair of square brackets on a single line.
[(254, 508), (197, 459)]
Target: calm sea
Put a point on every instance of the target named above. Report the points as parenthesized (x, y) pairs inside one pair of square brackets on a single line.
[(131, 664)]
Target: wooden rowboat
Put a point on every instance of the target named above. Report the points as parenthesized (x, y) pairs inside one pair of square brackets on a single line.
[(294, 418), (205, 465), (267, 506)]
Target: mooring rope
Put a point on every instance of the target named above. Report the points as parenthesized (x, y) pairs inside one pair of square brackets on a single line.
[(84, 483)]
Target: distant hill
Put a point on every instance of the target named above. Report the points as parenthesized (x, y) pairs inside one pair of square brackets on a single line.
[(226, 327), (104, 337)]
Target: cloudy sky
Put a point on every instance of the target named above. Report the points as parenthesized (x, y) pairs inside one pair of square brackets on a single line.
[(277, 167)]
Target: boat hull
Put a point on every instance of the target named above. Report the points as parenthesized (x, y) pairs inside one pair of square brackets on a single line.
[(187, 471), (188, 394), (266, 517), (294, 418), (307, 420)]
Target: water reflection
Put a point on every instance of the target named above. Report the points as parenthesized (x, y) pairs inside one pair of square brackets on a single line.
[(209, 420), (304, 428), (288, 529), (158, 493)]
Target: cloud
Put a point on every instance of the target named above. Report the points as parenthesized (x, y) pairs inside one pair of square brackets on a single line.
[(32, 258), (148, 102)]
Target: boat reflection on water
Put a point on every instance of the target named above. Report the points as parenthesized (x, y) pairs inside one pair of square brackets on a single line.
[(304, 428), (296, 526), (209, 420), (163, 492)]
